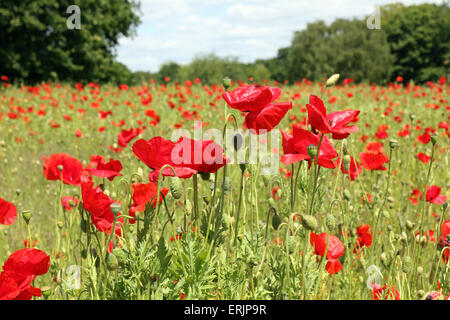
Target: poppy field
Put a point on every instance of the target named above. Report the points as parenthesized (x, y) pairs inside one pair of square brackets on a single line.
[(99, 201)]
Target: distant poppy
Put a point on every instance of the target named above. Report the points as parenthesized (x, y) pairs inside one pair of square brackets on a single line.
[(434, 195), (335, 250), (126, 136)]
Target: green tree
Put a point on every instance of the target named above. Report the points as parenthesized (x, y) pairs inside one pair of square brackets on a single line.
[(36, 44), (419, 38)]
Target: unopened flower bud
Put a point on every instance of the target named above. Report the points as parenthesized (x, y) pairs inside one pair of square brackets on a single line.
[(238, 141), (419, 271), (309, 222), (412, 116), (346, 161), (111, 262), (409, 225), (407, 264), (332, 80), (330, 222), (276, 221), (226, 83), (60, 167), (423, 240), (347, 195), (205, 176), (18, 192), (420, 294)]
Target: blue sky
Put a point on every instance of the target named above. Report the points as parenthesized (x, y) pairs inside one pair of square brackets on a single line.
[(178, 30)]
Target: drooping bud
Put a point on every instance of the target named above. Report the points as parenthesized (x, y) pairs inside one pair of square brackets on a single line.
[(238, 141), (347, 195), (276, 221), (176, 188), (434, 139), (346, 161), (309, 222), (205, 176), (332, 80), (330, 222)]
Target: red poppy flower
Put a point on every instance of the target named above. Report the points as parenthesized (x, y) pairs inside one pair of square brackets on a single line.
[(379, 293), (336, 122), (19, 271), (98, 205), (258, 100), (444, 240), (186, 156), (72, 168), (355, 168), (373, 161), (434, 195), (8, 212), (65, 201), (424, 138), (144, 193), (126, 136), (423, 157), (295, 148), (105, 169), (335, 250), (364, 237)]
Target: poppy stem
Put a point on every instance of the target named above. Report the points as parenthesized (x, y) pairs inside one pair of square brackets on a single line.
[(194, 179), (239, 206)]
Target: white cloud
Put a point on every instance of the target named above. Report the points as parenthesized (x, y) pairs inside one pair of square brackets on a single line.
[(177, 30)]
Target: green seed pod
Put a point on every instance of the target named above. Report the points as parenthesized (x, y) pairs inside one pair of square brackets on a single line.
[(226, 83), (115, 208), (276, 221), (312, 151), (111, 262), (176, 187), (347, 195), (407, 264), (444, 206), (309, 222), (242, 166), (26, 215), (393, 143), (205, 176), (330, 222), (346, 161)]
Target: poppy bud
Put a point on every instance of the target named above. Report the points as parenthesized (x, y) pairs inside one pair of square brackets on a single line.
[(412, 116), (175, 187), (188, 207), (238, 141), (115, 208), (83, 226), (312, 151), (434, 139), (423, 240), (309, 222), (419, 271), (393, 143), (409, 225), (346, 162), (330, 222), (417, 238), (226, 83), (347, 195), (385, 259), (332, 80), (205, 176), (111, 262), (272, 202), (242, 166), (420, 294), (266, 180), (406, 264), (60, 167), (26, 215), (227, 185), (18, 192), (60, 224), (276, 221), (403, 238)]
